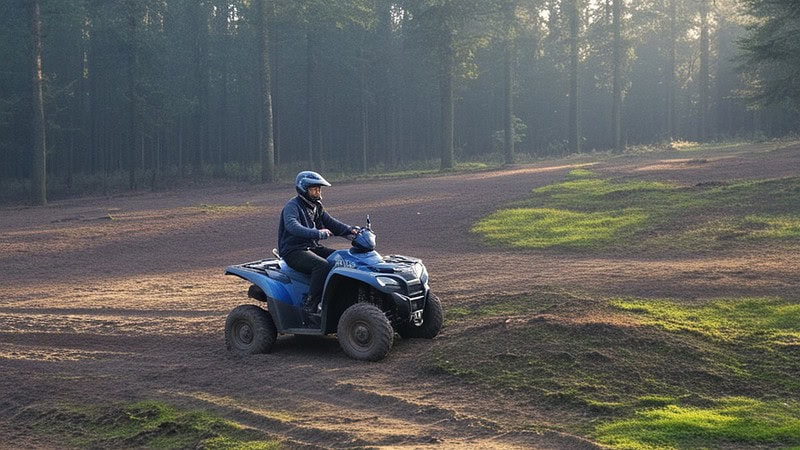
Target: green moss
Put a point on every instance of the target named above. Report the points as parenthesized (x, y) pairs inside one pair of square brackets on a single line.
[(731, 421), (632, 357), (586, 212), (147, 424), (759, 321), (208, 208), (541, 228), (580, 173)]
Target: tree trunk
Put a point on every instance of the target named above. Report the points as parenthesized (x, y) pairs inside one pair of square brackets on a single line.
[(200, 113), (446, 67), (133, 126), (311, 104), (508, 83), (670, 81), (616, 103), (364, 116), (704, 57), (39, 173), (574, 116), (265, 133)]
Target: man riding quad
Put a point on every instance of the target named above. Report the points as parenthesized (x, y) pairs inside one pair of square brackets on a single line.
[(303, 223)]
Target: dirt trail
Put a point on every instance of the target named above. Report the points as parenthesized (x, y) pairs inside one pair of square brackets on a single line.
[(123, 299)]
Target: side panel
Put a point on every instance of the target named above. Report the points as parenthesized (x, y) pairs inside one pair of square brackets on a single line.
[(285, 315), (273, 288), (280, 298)]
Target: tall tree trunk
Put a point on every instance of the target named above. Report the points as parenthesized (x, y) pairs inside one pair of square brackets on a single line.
[(364, 116), (446, 68), (616, 102), (133, 126), (312, 111), (387, 84), (39, 173), (200, 113), (274, 86), (447, 118), (574, 115), (670, 81), (508, 82), (723, 113), (704, 60), (266, 143)]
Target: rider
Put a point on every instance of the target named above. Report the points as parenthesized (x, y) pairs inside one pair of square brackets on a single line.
[(304, 222)]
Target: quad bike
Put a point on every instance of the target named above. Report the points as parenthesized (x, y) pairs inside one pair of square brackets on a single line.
[(366, 299)]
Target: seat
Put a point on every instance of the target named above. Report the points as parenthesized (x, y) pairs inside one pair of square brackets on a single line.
[(294, 274)]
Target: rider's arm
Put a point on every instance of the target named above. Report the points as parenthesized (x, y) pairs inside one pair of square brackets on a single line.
[(292, 223), (337, 227)]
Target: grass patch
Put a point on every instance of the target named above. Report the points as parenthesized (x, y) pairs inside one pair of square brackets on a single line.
[(213, 208), (732, 421), (542, 228), (146, 424), (587, 212), (714, 374), (757, 321)]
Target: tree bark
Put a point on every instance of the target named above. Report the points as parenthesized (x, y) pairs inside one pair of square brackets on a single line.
[(616, 103), (133, 126), (266, 142), (574, 115), (704, 60), (39, 173), (446, 102), (311, 104), (670, 81), (508, 83), (447, 115), (201, 81)]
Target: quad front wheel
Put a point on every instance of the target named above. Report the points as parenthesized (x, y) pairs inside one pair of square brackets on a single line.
[(432, 318), (365, 333), (250, 330)]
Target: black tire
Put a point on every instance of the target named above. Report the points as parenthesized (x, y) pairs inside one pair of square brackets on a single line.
[(365, 333), (250, 330), (432, 318)]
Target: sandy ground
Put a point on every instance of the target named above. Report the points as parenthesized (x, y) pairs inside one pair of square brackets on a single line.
[(124, 298)]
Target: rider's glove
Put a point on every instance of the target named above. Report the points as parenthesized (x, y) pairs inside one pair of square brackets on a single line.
[(325, 233)]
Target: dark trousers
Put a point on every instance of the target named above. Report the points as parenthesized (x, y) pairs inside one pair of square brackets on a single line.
[(312, 262)]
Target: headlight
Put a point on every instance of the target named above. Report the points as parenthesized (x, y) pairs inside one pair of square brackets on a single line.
[(388, 282), (419, 269)]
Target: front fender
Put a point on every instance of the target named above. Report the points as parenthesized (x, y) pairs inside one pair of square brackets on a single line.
[(367, 278), (274, 288)]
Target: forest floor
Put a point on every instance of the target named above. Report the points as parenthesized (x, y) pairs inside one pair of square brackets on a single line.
[(122, 299)]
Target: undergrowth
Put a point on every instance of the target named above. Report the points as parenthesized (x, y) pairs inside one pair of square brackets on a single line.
[(631, 373), (146, 424), (589, 213)]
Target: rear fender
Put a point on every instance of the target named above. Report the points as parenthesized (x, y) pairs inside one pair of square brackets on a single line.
[(273, 288), (278, 290)]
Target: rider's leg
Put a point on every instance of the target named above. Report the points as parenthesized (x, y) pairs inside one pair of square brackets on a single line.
[(311, 262)]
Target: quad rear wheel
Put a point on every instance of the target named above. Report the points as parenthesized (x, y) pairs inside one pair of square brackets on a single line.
[(432, 318), (250, 330), (365, 333)]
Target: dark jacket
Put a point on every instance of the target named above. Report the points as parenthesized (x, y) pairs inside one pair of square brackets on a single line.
[(300, 223)]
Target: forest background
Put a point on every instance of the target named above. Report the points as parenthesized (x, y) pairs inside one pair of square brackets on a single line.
[(100, 96)]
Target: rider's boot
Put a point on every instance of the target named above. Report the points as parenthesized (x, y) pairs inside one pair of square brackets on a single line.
[(312, 313)]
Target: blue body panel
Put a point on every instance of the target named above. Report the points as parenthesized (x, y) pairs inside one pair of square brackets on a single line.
[(285, 288)]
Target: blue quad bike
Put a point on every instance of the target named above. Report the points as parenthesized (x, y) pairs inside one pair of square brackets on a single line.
[(366, 299)]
